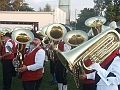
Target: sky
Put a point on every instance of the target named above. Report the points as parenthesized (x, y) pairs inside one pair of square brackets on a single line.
[(75, 5)]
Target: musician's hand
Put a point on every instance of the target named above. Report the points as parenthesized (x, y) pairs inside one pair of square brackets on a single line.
[(0, 57), (22, 69), (83, 76), (96, 66)]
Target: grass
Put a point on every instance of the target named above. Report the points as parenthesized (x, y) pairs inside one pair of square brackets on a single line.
[(17, 84)]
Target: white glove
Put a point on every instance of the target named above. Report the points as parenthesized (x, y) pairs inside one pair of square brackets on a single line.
[(113, 25), (96, 66)]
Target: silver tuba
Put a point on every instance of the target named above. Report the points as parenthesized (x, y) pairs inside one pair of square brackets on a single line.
[(96, 24), (55, 32), (96, 49), (75, 37)]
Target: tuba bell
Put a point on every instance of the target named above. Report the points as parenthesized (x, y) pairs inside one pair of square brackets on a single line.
[(96, 49), (75, 37), (56, 31), (96, 24)]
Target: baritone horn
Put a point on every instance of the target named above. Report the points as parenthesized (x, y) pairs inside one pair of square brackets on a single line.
[(96, 49)]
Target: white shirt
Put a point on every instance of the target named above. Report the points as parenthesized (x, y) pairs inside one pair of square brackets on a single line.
[(90, 33), (39, 61), (66, 47), (8, 44), (108, 83)]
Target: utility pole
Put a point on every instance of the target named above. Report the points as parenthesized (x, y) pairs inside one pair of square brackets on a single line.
[(75, 18)]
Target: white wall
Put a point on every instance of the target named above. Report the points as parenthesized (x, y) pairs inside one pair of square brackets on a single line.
[(59, 16), (43, 18)]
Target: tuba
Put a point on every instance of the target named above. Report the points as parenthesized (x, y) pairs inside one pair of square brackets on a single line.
[(96, 24), (22, 37), (55, 32), (75, 37), (96, 49)]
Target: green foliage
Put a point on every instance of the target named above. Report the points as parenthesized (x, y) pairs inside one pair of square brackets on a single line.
[(82, 17), (47, 8), (17, 83), (14, 5), (112, 10), (25, 7)]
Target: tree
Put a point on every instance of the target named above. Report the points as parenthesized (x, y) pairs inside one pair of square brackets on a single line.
[(111, 9), (47, 8), (14, 5), (40, 9), (25, 7), (99, 7), (4, 5), (9, 5), (82, 17)]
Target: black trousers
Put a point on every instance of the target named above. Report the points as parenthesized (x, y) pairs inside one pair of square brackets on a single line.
[(61, 75), (32, 85), (91, 86), (52, 66), (8, 72)]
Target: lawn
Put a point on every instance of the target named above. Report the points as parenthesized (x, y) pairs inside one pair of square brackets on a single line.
[(17, 85)]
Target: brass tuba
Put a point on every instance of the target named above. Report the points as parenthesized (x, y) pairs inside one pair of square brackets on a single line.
[(96, 49), (55, 32), (96, 24), (75, 37), (22, 37)]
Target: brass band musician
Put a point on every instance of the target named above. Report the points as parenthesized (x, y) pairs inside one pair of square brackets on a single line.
[(6, 59), (104, 75)]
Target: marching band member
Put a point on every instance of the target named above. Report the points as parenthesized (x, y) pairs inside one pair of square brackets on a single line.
[(99, 30), (7, 56), (32, 69), (51, 57), (106, 75), (61, 71)]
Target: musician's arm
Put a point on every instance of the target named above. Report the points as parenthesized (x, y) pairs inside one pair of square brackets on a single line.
[(7, 51)]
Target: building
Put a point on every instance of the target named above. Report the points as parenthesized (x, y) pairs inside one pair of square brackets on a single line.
[(32, 19)]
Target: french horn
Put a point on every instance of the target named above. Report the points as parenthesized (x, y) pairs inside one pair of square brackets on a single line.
[(96, 49)]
